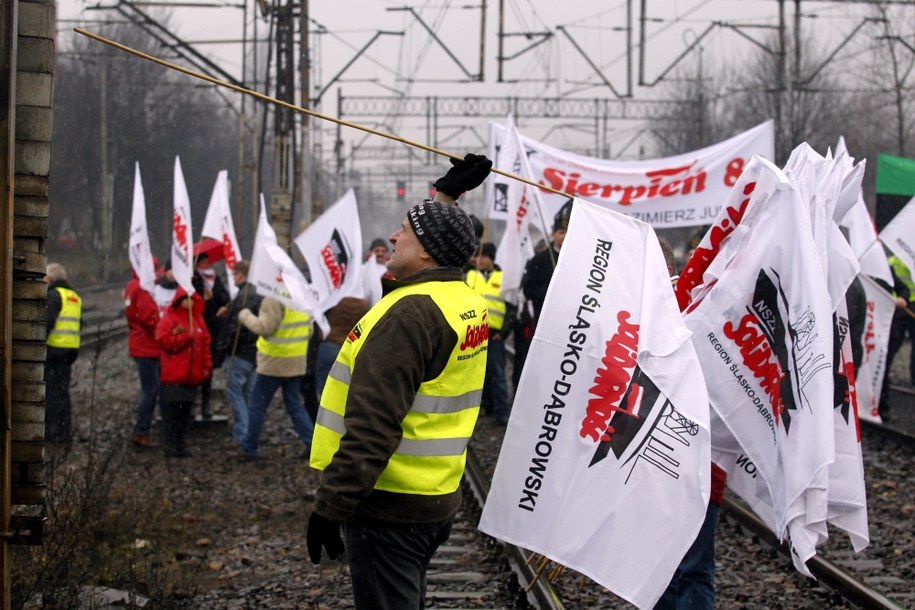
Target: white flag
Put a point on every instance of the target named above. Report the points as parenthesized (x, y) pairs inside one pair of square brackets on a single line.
[(273, 274), (140, 252), (862, 237), (764, 334), (605, 463), (218, 225), (372, 272), (515, 249), (182, 256), (847, 498), (332, 247), (880, 308), (899, 234)]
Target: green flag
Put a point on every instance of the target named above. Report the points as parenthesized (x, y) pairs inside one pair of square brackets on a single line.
[(895, 186)]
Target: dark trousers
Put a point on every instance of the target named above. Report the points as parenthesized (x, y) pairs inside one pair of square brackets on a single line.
[(176, 420), (903, 325), (523, 334), (495, 388), (206, 389), (58, 426), (388, 567), (693, 584)]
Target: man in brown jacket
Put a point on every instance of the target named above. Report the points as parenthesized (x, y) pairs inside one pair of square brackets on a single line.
[(399, 407)]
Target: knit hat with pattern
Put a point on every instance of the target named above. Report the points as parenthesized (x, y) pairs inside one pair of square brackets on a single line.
[(444, 230)]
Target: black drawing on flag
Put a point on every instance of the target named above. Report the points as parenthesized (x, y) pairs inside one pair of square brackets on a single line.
[(843, 372), (791, 343), (336, 256), (648, 430)]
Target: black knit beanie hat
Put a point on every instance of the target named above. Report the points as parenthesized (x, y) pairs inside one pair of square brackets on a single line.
[(444, 230), (561, 219)]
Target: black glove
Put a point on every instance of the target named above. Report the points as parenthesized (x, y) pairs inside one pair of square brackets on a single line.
[(467, 174), (323, 532)]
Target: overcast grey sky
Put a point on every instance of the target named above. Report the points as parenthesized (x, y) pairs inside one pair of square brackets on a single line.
[(413, 64)]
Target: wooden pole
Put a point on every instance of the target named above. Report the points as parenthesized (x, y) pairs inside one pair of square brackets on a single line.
[(318, 115)]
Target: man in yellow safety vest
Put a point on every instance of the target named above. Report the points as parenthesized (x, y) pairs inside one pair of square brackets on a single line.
[(400, 404), (282, 348), (64, 319), (486, 280)]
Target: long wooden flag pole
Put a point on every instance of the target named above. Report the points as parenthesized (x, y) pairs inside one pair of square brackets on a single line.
[(318, 115)]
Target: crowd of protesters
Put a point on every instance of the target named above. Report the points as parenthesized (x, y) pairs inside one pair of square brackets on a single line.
[(353, 416)]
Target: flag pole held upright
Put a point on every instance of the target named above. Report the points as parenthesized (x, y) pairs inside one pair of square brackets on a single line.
[(318, 115)]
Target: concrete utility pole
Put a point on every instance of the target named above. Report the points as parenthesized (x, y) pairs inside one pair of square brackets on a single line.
[(311, 205), (284, 126), (106, 191)]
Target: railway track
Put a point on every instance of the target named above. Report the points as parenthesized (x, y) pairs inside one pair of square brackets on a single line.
[(842, 579), (474, 571)]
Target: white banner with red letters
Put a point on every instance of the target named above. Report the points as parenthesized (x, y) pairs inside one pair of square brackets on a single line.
[(332, 247), (605, 464), (139, 250), (182, 253), (680, 191), (880, 308), (273, 274), (218, 225)]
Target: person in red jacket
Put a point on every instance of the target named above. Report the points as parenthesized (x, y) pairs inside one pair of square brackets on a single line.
[(142, 318), (185, 363)]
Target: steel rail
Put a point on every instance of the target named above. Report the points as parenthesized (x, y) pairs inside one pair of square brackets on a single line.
[(827, 573), (540, 592)]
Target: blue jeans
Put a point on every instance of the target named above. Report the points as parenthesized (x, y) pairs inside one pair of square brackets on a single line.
[(148, 369), (388, 567), (693, 584), (265, 386), (239, 375), (495, 388), (327, 355)]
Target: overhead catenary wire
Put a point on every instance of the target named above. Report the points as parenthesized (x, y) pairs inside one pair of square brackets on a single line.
[(312, 113)]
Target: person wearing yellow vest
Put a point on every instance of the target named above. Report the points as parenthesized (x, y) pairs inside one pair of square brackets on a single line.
[(903, 322), (282, 348), (64, 320), (486, 280), (400, 405)]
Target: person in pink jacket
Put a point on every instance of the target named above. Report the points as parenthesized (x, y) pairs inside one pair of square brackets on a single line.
[(185, 364)]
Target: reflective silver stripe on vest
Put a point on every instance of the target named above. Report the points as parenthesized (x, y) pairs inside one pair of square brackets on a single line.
[(67, 319), (341, 372), (494, 299), (57, 331), (331, 421), (295, 325), (272, 339), (432, 447), (446, 404)]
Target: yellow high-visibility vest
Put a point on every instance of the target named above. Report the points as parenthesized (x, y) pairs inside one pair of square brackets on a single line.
[(290, 339), (431, 455), (489, 290), (66, 328), (903, 273)]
